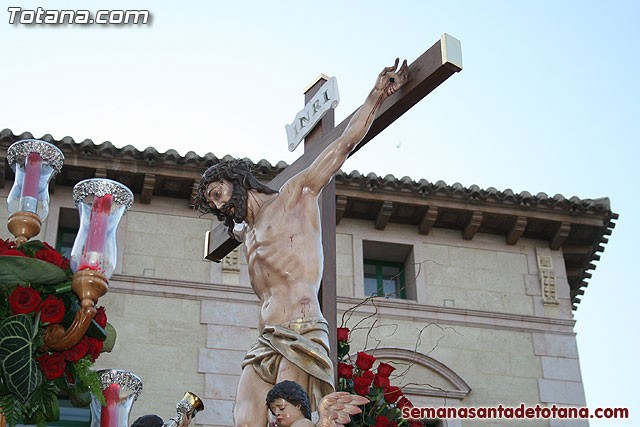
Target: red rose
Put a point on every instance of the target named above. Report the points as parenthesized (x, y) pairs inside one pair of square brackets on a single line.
[(51, 310), (5, 245), (361, 386), (52, 256), (95, 347), (382, 421), (343, 334), (65, 263), (364, 361), (345, 371), (416, 424), (52, 365), (101, 317), (380, 382), (391, 394), (24, 300), (404, 402), (385, 370), (13, 252), (368, 375), (78, 351)]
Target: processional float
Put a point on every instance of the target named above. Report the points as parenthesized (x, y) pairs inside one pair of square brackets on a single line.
[(101, 203)]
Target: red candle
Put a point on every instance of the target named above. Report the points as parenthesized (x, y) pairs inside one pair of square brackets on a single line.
[(109, 413), (98, 223), (32, 169)]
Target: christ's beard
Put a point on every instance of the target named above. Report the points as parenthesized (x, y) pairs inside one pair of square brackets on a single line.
[(238, 204)]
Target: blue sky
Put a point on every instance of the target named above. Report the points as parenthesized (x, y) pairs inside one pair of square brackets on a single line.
[(547, 101)]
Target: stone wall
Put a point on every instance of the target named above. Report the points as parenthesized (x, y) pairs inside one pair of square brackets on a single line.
[(500, 366), (482, 274), (166, 244), (476, 309), (232, 328), (158, 340), (160, 336), (344, 265), (508, 354)]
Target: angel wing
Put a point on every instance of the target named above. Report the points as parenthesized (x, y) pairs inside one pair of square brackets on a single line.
[(334, 409)]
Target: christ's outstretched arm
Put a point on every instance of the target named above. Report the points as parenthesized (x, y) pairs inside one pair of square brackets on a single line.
[(320, 172)]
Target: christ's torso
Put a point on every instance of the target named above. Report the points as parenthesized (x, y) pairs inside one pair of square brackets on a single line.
[(284, 254)]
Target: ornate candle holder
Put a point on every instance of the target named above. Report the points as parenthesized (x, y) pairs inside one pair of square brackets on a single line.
[(101, 203), (116, 412), (189, 405), (34, 163)]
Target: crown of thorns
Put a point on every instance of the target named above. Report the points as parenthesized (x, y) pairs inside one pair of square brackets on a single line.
[(236, 171)]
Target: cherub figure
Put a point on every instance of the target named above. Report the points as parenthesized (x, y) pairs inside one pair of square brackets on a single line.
[(289, 404)]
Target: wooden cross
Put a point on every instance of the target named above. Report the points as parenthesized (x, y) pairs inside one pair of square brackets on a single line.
[(433, 67)]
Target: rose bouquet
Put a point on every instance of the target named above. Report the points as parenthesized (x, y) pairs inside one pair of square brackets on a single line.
[(385, 401), (35, 288)]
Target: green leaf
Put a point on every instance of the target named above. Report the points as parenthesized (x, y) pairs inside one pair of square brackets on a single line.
[(386, 412), (79, 395), (32, 246), (51, 407), (11, 409), (63, 287), (90, 378), (42, 405), (343, 349), (96, 331), (395, 413), (38, 417), (4, 307), (370, 420), (4, 300), (20, 370), (110, 341), (22, 270), (61, 381)]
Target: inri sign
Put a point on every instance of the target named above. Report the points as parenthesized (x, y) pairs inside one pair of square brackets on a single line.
[(326, 98)]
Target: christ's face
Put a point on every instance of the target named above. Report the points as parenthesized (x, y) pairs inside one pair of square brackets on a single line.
[(218, 195), (286, 413)]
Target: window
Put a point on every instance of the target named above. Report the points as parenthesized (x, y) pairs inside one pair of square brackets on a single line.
[(388, 269), (64, 241), (68, 224), (384, 278)]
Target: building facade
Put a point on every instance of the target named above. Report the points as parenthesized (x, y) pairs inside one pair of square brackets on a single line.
[(474, 288)]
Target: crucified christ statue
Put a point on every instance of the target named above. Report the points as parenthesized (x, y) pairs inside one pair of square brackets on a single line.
[(283, 245)]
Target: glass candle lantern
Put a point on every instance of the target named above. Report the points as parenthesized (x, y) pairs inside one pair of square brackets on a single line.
[(120, 389), (34, 162), (101, 204)]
